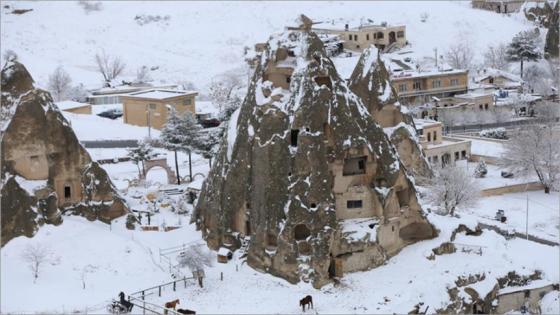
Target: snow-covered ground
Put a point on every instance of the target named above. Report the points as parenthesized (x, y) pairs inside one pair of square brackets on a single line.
[(200, 40)]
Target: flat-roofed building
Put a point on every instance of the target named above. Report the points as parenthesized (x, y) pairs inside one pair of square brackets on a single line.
[(74, 107), (439, 150), (419, 87), (150, 108)]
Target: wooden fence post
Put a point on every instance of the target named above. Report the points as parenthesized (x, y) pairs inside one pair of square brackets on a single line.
[(159, 289), (221, 276), (185, 279), (142, 295), (174, 285)]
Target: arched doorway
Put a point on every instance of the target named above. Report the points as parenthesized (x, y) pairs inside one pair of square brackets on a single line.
[(157, 174), (162, 164)]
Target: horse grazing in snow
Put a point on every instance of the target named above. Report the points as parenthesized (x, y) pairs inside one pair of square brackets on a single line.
[(125, 303), (171, 304), (306, 301)]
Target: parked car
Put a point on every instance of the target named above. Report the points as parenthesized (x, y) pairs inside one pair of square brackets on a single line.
[(113, 113), (210, 123)]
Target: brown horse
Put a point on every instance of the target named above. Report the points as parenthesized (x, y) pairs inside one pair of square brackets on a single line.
[(305, 302), (171, 304)]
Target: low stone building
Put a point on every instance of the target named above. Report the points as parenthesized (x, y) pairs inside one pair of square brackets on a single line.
[(360, 36), (74, 107), (527, 297), (150, 108), (45, 170), (499, 79), (305, 181), (439, 150), (415, 87)]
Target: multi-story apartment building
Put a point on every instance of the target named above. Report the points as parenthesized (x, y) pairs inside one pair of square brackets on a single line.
[(419, 87)]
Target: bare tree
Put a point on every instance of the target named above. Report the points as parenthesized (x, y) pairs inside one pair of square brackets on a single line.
[(496, 57), (196, 259), (460, 55), (453, 187), (10, 55), (226, 90), (36, 255), (535, 150), (59, 83), (143, 75), (109, 67)]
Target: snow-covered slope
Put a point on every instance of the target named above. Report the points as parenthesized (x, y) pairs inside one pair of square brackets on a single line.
[(199, 40)]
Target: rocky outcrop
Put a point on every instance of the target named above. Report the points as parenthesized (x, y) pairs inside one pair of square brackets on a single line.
[(370, 81), (305, 181), (41, 151), (553, 34)]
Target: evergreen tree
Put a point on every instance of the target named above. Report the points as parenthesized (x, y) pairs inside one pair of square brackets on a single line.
[(524, 46), (180, 133), (138, 155)]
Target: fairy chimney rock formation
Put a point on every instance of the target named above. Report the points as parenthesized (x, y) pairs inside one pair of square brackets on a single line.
[(45, 170), (305, 181), (370, 81)]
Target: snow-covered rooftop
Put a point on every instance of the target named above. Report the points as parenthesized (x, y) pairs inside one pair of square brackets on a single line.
[(64, 105), (353, 25), (421, 123), (161, 94), (428, 73), (474, 94), (491, 72), (206, 107)]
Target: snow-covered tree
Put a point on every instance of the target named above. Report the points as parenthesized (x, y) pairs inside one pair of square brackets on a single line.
[(196, 259), (460, 55), (108, 66), (524, 47), (453, 187), (59, 84), (226, 90), (535, 150), (209, 141), (181, 133), (35, 256), (140, 154), (143, 75), (480, 170), (496, 57), (78, 93), (10, 55)]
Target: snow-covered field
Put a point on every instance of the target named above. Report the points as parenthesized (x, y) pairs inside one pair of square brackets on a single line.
[(93, 127), (200, 40)]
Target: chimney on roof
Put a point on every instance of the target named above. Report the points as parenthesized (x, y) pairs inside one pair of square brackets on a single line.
[(346, 26)]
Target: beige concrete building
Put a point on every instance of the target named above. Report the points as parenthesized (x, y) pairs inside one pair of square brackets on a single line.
[(74, 107), (440, 150), (419, 87), (358, 37), (468, 102), (498, 79), (150, 108)]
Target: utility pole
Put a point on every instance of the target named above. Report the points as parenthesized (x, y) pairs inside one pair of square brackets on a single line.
[(435, 51), (527, 219)]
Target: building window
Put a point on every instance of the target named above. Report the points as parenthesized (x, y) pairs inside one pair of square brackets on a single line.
[(294, 137), (187, 101), (288, 79), (480, 106), (374, 36), (402, 87), (454, 82), (435, 135), (301, 232), (436, 84), (350, 37), (356, 37), (416, 85), (152, 106), (353, 204), (429, 137), (485, 106), (464, 154), (400, 34), (367, 36), (354, 166), (67, 192), (456, 156), (379, 35)]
